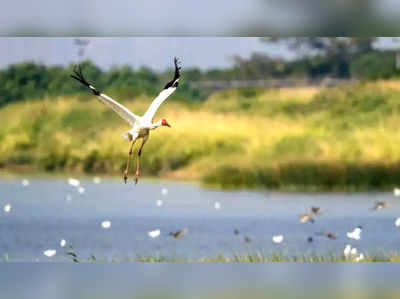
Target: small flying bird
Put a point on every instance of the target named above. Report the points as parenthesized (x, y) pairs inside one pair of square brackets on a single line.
[(316, 210), (141, 125), (355, 234), (329, 235), (178, 234), (304, 218), (380, 205)]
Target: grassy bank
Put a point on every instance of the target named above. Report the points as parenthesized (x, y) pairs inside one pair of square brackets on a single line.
[(243, 258), (343, 138)]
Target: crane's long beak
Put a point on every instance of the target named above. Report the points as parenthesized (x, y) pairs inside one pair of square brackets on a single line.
[(167, 124)]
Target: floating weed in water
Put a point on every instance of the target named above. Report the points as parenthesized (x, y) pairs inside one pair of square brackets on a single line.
[(7, 208), (96, 180), (159, 202), (25, 183), (355, 234), (106, 224), (74, 182), (81, 190), (154, 233), (397, 222), (50, 252), (164, 191), (63, 243), (217, 205), (277, 238)]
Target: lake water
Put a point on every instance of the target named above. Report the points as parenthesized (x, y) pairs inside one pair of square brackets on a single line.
[(41, 216)]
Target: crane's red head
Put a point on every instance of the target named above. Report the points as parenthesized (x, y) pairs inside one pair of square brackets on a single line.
[(165, 123)]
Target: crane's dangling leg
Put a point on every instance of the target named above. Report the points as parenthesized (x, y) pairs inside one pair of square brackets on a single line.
[(129, 158), (138, 158)]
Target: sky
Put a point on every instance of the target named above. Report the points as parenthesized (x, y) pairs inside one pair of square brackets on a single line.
[(154, 52)]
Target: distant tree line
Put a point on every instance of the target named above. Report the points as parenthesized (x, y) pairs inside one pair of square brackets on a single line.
[(30, 80), (317, 57)]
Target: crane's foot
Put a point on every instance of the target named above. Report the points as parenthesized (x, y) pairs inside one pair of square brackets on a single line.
[(125, 176), (136, 178)]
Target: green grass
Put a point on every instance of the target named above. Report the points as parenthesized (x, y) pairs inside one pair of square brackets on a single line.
[(343, 138), (247, 258)]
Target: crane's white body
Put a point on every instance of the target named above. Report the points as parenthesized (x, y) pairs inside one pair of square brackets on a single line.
[(141, 125)]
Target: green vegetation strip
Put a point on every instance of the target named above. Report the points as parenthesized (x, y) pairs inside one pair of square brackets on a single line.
[(314, 139)]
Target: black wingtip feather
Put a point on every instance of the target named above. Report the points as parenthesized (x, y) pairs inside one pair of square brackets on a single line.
[(78, 75), (174, 82)]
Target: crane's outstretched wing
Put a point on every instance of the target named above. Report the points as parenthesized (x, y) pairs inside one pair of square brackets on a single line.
[(122, 111), (164, 94)]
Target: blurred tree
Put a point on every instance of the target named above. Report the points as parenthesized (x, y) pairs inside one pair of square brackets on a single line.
[(338, 50)]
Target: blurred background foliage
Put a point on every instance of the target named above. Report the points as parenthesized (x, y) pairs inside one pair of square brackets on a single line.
[(316, 58), (303, 137)]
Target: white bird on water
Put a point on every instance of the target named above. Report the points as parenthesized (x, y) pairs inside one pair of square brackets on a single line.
[(164, 191), (141, 125), (25, 183), (74, 182), (154, 233), (355, 234), (277, 238), (7, 208), (106, 224), (397, 222), (50, 252), (396, 191)]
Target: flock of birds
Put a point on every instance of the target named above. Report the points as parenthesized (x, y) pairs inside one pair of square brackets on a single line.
[(309, 217), (105, 224)]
